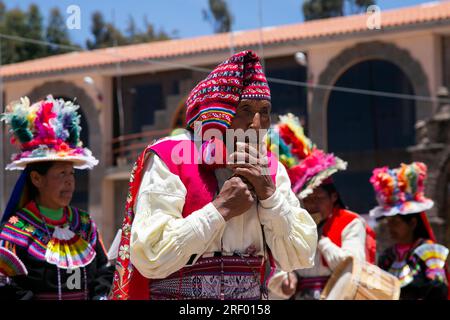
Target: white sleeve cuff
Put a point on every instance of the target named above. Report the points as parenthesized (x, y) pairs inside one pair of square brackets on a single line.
[(274, 212), (274, 200)]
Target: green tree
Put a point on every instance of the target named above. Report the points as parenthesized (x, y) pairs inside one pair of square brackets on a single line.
[(218, 15), (361, 5), (105, 34), (150, 34), (2, 12), (132, 30), (35, 32), (17, 25), (57, 33), (135, 35), (322, 9), (2, 30), (14, 25)]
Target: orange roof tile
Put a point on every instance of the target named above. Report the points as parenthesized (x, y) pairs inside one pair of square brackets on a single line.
[(430, 12)]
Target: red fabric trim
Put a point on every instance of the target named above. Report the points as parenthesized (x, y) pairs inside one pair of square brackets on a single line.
[(33, 207), (139, 285), (427, 225), (335, 224), (312, 283), (128, 283)]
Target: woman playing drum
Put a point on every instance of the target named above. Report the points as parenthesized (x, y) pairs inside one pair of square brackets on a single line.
[(343, 233)]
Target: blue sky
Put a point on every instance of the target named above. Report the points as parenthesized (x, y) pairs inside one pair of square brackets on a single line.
[(185, 16)]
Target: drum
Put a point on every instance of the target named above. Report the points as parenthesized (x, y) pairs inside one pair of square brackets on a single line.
[(356, 280)]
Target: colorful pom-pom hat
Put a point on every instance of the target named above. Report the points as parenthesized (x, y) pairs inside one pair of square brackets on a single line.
[(307, 166), (48, 130), (400, 190)]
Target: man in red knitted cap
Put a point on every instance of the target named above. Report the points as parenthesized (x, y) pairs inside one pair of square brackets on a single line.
[(201, 225)]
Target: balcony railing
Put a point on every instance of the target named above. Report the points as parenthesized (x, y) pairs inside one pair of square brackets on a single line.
[(126, 148)]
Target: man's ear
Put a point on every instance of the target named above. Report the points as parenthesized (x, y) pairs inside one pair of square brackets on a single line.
[(36, 179)]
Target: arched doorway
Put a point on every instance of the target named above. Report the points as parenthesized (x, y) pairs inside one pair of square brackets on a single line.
[(317, 114), (369, 131)]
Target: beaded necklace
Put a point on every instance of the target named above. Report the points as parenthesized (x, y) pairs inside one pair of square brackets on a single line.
[(57, 268)]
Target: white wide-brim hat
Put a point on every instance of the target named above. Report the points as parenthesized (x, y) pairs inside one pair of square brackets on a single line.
[(408, 207), (80, 161)]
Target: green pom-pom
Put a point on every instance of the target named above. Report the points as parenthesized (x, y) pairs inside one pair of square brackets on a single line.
[(19, 127), (74, 135)]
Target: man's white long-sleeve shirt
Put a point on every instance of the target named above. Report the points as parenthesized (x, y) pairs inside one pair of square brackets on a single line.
[(162, 241)]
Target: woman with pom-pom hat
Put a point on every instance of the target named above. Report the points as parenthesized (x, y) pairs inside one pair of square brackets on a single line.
[(415, 258), (343, 233), (198, 226), (49, 249)]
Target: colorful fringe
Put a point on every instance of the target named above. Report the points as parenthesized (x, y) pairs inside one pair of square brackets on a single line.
[(427, 254), (68, 250), (10, 264), (26, 229)]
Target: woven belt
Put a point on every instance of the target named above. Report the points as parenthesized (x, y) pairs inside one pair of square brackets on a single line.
[(309, 283)]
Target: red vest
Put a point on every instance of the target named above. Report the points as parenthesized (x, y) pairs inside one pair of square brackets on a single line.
[(336, 224), (181, 158)]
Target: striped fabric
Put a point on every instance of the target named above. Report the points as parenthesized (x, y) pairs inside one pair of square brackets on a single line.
[(26, 229), (214, 100), (425, 256), (203, 280), (312, 283)]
